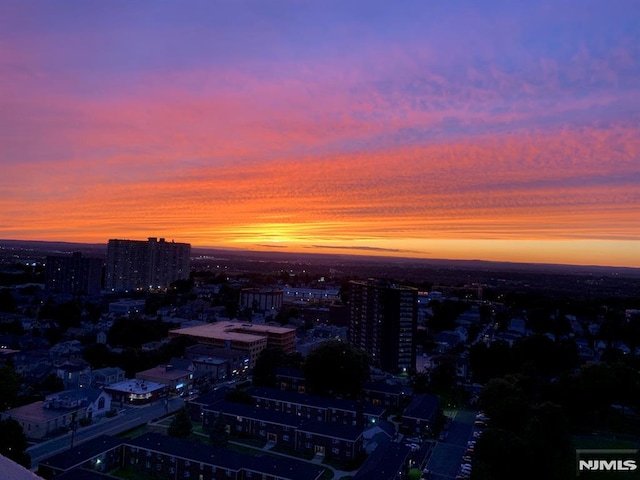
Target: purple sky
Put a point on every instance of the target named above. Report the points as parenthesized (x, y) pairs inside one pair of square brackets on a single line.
[(492, 130)]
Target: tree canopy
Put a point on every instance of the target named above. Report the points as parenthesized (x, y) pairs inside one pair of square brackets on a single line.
[(335, 367), (180, 424), (13, 442)]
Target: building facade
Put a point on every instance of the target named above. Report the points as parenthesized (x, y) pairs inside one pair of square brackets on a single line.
[(383, 322), (146, 265), (261, 300), (247, 337), (74, 275)]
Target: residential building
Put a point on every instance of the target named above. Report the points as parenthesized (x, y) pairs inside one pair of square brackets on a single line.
[(156, 456), (289, 378), (321, 409), (302, 434), (261, 300), (385, 394), (59, 410), (151, 265), (391, 463), (383, 322), (218, 363), (421, 415), (103, 377), (73, 274)]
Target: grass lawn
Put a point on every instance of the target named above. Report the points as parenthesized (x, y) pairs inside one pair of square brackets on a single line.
[(603, 442), (134, 432), (129, 473)]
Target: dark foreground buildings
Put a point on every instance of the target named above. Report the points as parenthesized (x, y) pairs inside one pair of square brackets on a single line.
[(146, 265), (383, 321), (156, 456)]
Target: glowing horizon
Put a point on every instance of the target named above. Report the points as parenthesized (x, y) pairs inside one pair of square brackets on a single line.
[(497, 132)]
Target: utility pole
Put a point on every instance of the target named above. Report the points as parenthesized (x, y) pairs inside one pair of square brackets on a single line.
[(73, 426)]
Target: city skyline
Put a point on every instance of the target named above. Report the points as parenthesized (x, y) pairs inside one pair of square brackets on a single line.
[(493, 131)]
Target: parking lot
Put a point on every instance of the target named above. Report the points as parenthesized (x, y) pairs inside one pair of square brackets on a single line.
[(446, 457)]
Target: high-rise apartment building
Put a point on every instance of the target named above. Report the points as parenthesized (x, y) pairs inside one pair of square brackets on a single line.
[(150, 265), (383, 322), (73, 274)]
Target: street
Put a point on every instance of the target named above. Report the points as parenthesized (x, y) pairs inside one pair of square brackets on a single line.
[(130, 418)]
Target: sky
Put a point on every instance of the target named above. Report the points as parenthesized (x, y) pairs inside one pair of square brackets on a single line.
[(491, 130)]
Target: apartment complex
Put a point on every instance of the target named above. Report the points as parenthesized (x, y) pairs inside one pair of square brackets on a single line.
[(247, 337), (146, 265), (383, 321), (74, 274)]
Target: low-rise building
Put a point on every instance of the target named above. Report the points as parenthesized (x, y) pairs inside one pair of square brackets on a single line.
[(386, 395), (178, 380), (421, 415), (137, 392), (103, 377), (58, 411), (248, 337), (218, 364), (157, 456)]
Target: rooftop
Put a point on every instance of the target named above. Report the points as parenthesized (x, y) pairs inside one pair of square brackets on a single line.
[(228, 330), (79, 454), (313, 400), (385, 462), (166, 372), (422, 406), (135, 386)]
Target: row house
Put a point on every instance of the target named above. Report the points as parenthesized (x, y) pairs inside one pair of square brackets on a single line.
[(386, 395), (305, 435), (247, 421), (421, 415), (322, 409), (289, 378), (156, 456), (344, 442)]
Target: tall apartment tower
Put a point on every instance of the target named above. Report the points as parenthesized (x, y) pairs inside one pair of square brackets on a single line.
[(383, 322), (150, 265), (74, 274)]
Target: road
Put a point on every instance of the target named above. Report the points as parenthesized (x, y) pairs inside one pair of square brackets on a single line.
[(130, 418)]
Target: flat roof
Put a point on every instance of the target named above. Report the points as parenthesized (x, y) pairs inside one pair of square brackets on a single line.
[(228, 330), (136, 386), (35, 412), (161, 371)]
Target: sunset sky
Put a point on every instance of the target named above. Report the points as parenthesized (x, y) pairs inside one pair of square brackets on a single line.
[(493, 130)]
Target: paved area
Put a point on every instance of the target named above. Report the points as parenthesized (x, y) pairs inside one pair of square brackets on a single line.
[(447, 454), (130, 417)]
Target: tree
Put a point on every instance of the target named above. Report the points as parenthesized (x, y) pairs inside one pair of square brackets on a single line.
[(219, 435), (180, 424), (506, 403), (500, 453), (264, 371), (13, 442), (51, 384), (336, 367), (7, 302), (9, 383)]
